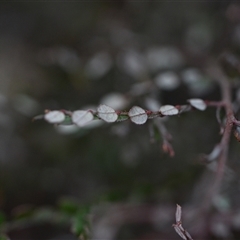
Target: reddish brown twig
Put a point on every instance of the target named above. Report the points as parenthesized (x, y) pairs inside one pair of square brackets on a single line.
[(215, 72)]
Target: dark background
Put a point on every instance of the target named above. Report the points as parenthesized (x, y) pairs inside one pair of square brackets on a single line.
[(72, 54)]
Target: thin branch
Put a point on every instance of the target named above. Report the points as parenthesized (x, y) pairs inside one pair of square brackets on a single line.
[(236, 122), (223, 81)]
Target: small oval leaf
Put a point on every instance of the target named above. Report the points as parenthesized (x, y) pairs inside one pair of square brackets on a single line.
[(215, 153), (198, 103), (54, 116), (81, 117), (237, 133), (107, 113), (168, 110), (137, 115), (178, 214)]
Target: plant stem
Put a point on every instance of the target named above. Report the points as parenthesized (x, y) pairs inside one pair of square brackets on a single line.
[(225, 86)]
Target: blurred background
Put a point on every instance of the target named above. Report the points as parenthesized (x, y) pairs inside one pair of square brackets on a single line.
[(78, 54)]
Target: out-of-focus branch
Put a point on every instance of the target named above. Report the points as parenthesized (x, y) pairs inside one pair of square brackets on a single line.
[(166, 138), (216, 73)]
